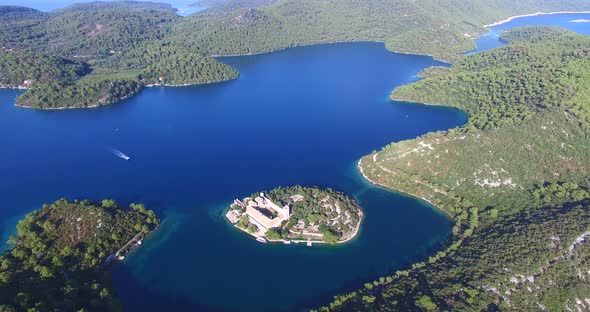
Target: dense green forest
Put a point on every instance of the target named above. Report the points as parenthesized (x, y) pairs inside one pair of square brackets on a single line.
[(118, 48), (86, 31), (129, 43), (60, 255), (83, 94), (220, 6), (17, 67), (517, 79), (439, 28), (516, 184)]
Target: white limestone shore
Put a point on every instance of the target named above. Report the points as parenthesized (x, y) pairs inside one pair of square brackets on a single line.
[(504, 21)]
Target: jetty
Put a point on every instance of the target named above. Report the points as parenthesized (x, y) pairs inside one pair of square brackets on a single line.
[(120, 254)]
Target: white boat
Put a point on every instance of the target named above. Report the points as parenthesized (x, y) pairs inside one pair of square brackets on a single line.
[(287, 242), (117, 153), (309, 244), (261, 239)]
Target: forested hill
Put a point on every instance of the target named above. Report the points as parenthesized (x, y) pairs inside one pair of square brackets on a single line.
[(515, 179), (130, 44), (220, 6), (120, 45), (439, 28), (86, 31)]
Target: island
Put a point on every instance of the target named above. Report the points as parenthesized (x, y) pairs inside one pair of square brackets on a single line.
[(61, 254), (298, 215)]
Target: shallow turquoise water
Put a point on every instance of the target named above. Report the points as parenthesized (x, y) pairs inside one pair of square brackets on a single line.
[(300, 116)]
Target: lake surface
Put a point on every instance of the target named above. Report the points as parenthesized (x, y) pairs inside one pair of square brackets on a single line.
[(299, 116)]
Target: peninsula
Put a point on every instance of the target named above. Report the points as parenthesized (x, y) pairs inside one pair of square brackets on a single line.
[(514, 179), (299, 215), (61, 254)]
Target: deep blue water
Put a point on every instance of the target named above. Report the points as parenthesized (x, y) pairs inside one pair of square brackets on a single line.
[(299, 116)]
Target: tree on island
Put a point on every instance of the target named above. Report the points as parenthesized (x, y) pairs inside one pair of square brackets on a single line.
[(273, 234), (59, 255)]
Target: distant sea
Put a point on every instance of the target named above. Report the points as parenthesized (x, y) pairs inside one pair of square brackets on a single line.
[(492, 40), (184, 6)]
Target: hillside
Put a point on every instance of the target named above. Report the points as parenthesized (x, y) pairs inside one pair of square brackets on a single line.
[(439, 28), (86, 31), (119, 44), (60, 255), (515, 179), (128, 44), (21, 68)]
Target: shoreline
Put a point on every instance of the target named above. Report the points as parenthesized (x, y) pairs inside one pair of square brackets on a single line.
[(511, 18), (190, 84), (300, 241), (360, 168), (294, 46), (297, 241), (118, 100), (13, 87), (382, 41)]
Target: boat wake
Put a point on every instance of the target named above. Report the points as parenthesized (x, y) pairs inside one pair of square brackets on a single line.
[(117, 152)]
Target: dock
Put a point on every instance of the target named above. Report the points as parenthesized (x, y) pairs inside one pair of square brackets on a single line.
[(136, 240)]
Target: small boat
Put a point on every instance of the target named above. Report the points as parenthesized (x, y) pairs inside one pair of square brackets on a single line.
[(309, 244), (261, 239), (287, 242), (117, 153)]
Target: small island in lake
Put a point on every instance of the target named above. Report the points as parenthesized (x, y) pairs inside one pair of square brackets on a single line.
[(297, 214), (60, 255)]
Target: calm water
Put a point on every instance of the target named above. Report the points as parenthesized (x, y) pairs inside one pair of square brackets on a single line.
[(300, 116), (491, 39)]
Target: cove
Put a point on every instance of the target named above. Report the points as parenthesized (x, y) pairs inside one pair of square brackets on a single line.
[(299, 116), (492, 39)]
